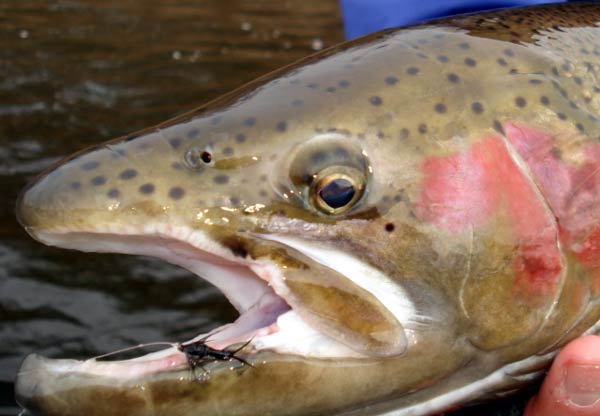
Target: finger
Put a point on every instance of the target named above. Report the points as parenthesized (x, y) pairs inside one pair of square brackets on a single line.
[(572, 387)]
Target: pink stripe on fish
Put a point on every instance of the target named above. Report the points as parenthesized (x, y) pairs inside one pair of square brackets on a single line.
[(571, 185), (467, 189)]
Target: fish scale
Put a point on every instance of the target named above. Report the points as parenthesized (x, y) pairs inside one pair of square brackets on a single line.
[(411, 217)]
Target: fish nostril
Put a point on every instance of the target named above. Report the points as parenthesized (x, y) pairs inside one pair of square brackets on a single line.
[(195, 159)]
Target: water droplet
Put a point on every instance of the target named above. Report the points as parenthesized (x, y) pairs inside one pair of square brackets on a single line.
[(23, 34), (176, 55), (316, 44), (246, 26)]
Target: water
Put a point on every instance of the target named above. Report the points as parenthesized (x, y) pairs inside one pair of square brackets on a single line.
[(74, 73)]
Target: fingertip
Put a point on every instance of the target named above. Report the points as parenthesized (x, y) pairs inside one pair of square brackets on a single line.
[(572, 386)]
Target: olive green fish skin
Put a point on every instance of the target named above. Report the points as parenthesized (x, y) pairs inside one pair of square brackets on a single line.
[(385, 108)]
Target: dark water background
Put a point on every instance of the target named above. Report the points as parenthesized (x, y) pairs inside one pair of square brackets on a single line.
[(77, 72)]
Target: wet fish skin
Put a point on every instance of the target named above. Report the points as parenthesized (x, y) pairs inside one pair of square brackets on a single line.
[(476, 141)]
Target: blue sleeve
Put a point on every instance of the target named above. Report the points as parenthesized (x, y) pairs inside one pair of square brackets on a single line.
[(366, 16)]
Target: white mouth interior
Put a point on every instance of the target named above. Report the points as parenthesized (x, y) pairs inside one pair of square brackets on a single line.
[(266, 320)]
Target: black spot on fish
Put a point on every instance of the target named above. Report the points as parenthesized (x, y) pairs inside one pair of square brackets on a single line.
[(562, 116), (90, 165), (98, 180), (193, 133), (75, 185), (375, 100), (509, 52), (313, 85), (128, 174), (389, 227), (520, 102), (175, 142), (578, 80), (147, 188), (404, 133), (535, 81), (464, 46), (176, 165), (422, 128), (234, 200), (263, 178), (563, 92), (555, 71), (221, 179), (391, 80), (330, 89), (215, 120), (498, 127), (442, 58), (502, 62), (580, 127), (344, 83), (240, 138), (453, 78), (176, 193), (250, 121), (113, 193), (263, 193), (477, 107), (228, 151), (470, 62), (544, 100), (413, 70), (281, 126), (440, 108)]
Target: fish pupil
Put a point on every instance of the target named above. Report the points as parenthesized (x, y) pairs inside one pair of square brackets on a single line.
[(337, 193)]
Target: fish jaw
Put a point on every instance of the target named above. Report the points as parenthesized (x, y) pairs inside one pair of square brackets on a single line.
[(282, 346)]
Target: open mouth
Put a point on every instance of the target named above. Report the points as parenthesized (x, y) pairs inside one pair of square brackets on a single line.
[(255, 288)]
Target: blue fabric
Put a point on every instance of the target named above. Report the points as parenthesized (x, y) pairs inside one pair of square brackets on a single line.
[(366, 16)]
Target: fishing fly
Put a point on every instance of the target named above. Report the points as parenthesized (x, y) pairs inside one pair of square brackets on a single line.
[(199, 353)]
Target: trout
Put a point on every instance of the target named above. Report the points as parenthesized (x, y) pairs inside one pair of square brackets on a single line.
[(406, 223)]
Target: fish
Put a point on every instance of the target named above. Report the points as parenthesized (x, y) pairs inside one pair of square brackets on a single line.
[(407, 223)]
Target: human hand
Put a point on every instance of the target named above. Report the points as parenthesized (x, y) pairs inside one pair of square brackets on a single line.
[(572, 386)]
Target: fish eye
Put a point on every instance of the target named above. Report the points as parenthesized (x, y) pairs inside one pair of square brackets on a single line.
[(336, 189)]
